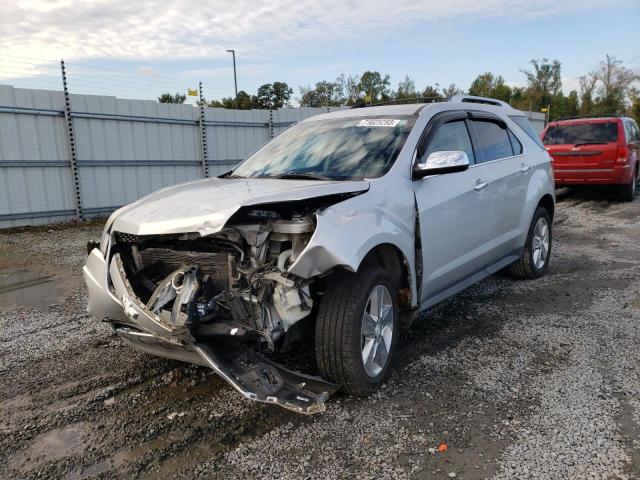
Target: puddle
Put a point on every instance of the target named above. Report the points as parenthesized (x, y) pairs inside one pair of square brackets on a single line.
[(121, 459), (53, 445), (29, 289), (32, 282)]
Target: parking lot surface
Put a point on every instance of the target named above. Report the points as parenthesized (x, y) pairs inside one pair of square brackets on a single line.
[(509, 379)]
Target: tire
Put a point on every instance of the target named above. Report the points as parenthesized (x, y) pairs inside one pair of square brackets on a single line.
[(529, 265), (628, 192), (339, 336)]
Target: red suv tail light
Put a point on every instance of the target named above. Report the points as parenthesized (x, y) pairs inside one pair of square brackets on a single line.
[(622, 154)]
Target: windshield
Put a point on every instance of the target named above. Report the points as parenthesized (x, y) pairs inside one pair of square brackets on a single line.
[(337, 149), (581, 133)]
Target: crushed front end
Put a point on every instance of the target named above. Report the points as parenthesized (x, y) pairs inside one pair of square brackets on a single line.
[(224, 300)]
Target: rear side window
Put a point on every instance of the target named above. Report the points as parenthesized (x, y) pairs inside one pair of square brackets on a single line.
[(581, 133), (494, 140), (515, 143), (633, 133), (451, 136), (525, 125)]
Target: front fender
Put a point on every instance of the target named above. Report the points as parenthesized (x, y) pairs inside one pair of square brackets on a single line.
[(348, 231)]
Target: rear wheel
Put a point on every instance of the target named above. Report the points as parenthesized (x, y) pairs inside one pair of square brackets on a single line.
[(534, 260), (357, 329), (628, 192)]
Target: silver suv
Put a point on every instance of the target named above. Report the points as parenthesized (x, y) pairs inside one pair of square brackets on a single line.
[(341, 230)]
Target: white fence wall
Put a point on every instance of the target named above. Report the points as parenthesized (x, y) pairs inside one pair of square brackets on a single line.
[(124, 150)]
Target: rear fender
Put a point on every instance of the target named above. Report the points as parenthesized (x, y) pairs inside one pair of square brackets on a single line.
[(540, 184)]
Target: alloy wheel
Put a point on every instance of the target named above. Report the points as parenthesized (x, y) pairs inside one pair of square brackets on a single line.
[(540, 244), (377, 330)]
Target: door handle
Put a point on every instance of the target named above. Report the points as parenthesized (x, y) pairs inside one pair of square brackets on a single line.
[(524, 168), (480, 185)]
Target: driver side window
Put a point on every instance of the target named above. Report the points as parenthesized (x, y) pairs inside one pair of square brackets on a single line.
[(450, 136)]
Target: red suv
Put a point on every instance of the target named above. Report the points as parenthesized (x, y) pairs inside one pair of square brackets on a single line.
[(595, 151)]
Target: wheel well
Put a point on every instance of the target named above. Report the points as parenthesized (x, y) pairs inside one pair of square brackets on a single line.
[(547, 202), (394, 262)]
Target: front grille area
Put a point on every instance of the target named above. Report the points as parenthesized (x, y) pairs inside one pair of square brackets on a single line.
[(125, 237), (216, 265)]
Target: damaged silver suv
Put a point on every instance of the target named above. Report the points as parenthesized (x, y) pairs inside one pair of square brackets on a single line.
[(341, 229)]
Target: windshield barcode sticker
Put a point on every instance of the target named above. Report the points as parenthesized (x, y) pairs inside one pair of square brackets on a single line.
[(378, 123)]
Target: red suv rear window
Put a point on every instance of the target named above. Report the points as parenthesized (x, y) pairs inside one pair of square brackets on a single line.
[(581, 133)]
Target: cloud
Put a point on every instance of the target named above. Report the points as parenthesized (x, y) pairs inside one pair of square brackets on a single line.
[(147, 71), (153, 29)]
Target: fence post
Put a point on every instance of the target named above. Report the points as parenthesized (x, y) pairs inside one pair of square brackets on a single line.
[(71, 142), (270, 124), (203, 136)]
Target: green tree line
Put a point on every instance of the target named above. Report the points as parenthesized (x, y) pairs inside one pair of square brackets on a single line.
[(609, 88)]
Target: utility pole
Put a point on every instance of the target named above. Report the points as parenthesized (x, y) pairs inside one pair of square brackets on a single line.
[(235, 78)]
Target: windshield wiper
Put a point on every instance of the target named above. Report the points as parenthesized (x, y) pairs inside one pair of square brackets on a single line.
[(302, 176)]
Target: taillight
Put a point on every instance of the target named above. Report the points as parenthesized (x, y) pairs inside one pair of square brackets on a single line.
[(622, 154)]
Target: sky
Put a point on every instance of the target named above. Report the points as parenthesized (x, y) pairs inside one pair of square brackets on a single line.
[(139, 49)]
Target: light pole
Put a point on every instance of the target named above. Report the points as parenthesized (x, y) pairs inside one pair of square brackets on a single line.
[(235, 79)]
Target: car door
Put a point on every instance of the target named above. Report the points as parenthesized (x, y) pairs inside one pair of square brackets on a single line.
[(507, 171), (455, 211)]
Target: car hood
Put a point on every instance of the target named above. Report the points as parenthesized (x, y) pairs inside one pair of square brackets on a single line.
[(204, 206)]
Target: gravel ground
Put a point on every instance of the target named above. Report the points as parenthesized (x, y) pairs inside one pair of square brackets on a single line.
[(516, 379)]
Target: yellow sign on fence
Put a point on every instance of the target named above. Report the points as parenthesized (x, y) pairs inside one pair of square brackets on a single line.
[(192, 93)]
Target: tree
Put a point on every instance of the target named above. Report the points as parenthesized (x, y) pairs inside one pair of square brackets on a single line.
[(406, 89), (634, 110), (168, 98), (451, 91), (324, 94), (543, 82), (245, 102), (572, 104), (492, 86), (273, 95), (588, 84), (374, 87), (615, 83), (431, 92), (348, 88)]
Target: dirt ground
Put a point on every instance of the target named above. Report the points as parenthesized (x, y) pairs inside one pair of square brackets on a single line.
[(517, 379)]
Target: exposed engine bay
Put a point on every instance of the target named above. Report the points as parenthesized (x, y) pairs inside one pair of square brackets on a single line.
[(225, 300), (234, 282)]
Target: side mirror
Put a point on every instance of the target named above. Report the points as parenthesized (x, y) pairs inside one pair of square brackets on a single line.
[(438, 163)]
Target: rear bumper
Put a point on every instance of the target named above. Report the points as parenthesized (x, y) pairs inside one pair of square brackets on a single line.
[(618, 175)]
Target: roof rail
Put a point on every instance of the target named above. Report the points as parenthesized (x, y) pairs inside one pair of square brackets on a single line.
[(474, 99), (403, 101), (605, 115)]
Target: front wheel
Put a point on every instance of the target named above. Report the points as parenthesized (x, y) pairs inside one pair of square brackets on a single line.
[(357, 329), (534, 260)]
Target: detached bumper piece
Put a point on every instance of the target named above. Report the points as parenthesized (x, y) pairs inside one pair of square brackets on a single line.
[(253, 375), (261, 380)]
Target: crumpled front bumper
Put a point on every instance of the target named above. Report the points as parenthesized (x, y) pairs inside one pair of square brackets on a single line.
[(250, 373)]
